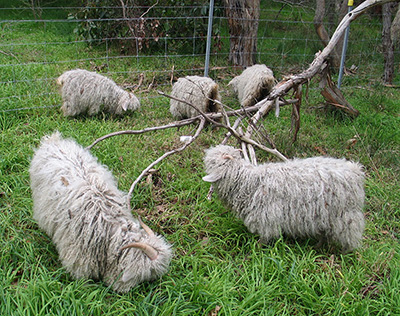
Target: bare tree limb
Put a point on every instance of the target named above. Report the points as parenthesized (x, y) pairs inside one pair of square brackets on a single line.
[(318, 63), (175, 124), (147, 11), (273, 100), (211, 119), (165, 155)]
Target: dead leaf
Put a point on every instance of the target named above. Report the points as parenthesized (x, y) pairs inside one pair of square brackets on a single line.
[(215, 311), (64, 181), (320, 150)]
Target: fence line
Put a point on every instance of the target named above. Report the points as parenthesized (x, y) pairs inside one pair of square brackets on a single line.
[(287, 42)]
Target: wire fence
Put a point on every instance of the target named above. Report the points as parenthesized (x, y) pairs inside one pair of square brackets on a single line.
[(38, 44)]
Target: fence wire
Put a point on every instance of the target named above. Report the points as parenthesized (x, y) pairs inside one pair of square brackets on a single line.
[(37, 45)]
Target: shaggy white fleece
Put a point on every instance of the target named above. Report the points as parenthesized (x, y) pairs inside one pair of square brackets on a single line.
[(77, 203), (199, 91), (253, 84), (87, 92), (317, 197)]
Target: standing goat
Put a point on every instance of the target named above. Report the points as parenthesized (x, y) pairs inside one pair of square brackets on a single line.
[(77, 203), (84, 91), (314, 197), (253, 84), (202, 92)]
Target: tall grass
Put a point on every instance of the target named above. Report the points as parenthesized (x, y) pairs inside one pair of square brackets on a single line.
[(219, 267)]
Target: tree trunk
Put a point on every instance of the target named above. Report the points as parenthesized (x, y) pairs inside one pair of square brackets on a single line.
[(388, 47), (395, 28), (322, 32), (243, 18)]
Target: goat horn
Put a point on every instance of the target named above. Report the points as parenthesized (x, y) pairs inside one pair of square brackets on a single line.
[(226, 156), (147, 249), (146, 228)]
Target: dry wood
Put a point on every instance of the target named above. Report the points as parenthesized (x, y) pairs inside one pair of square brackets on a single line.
[(296, 112), (334, 96), (244, 138), (165, 155), (323, 33), (320, 61)]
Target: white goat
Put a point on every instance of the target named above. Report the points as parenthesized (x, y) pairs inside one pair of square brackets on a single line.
[(77, 203), (84, 91), (201, 92), (314, 197), (253, 84)]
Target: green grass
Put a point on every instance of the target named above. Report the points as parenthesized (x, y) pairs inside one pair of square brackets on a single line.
[(219, 268)]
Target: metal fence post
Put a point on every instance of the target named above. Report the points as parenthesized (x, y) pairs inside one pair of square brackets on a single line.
[(344, 48), (209, 35)]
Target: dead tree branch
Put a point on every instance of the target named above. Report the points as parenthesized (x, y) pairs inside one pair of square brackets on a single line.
[(244, 138), (175, 124), (165, 155), (319, 62)]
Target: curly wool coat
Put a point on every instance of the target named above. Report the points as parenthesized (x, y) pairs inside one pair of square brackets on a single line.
[(77, 203), (253, 84), (317, 197), (198, 91), (87, 92)]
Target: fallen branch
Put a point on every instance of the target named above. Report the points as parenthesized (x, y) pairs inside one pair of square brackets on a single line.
[(333, 95), (165, 155), (319, 62), (175, 124), (211, 119)]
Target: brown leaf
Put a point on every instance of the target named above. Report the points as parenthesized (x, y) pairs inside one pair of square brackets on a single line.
[(320, 150), (64, 181), (215, 311)]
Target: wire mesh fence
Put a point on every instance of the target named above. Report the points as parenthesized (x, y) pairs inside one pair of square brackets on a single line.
[(38, 43)]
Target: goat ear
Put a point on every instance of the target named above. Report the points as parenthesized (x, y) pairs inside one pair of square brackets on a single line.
[(211, 177)]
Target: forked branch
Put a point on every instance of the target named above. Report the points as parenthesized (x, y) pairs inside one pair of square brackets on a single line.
[(165, 155)]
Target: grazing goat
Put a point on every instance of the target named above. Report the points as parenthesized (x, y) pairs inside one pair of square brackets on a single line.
[(77, 203), (202, 92), (84, 91), (253, 84), (317, 197)]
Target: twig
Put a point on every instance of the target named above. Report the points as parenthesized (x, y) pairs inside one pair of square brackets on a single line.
[(9, 54), (150, 86), (175, 124), (141, 78), (165, 155), (125, 17), (147, 11), (172, 75), (235, 126)]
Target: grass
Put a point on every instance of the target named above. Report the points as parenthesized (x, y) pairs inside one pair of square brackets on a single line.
[(219, 268)]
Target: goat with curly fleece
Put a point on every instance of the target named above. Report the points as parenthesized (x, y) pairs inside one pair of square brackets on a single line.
[(88, 92), (202, 92), (253, 84), (318, 197), (77, 203)]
